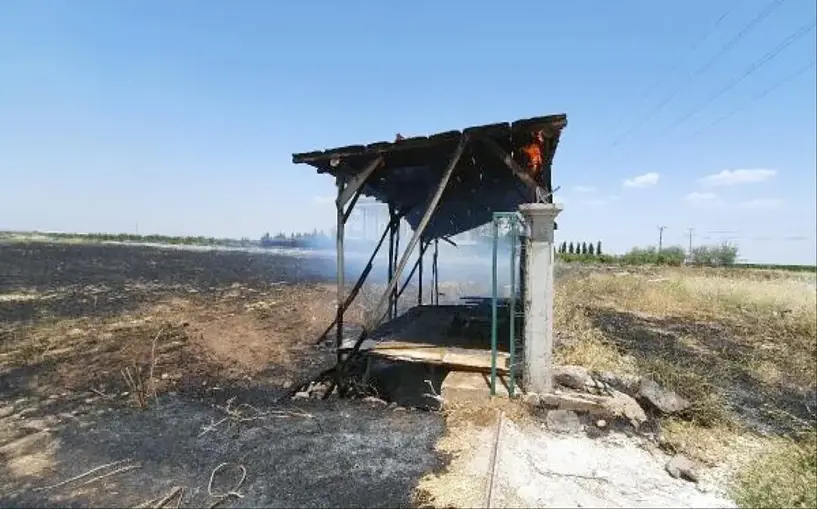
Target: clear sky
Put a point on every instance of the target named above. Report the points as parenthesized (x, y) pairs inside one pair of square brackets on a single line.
[(181, 117)]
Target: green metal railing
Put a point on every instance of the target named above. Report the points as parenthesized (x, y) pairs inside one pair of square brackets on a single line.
[(516, 226)]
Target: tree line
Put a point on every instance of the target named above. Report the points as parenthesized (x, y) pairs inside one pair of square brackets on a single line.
[(718, 255)]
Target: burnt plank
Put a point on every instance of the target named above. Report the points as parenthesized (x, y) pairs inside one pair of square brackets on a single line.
[(350, 150), (445, 137), (550, 122), (492, 130), (305, 157), (379, 146)]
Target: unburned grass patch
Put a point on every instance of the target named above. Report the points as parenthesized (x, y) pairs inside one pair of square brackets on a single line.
[(783, 475), (740, 345)]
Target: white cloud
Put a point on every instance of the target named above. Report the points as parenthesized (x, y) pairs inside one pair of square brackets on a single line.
[(646, 180), (761, 204), (732, 177), (698, 197), (584, 189)]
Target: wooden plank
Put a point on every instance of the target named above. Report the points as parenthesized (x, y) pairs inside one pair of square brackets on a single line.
[(512, 165), (555, 122), (498, 129), (304, 157), (356, 182), (379, 146), (470, 360), (448, 136), (340, 152)]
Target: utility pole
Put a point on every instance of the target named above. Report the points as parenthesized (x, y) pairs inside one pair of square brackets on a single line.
[(691, 231), (661, 237)]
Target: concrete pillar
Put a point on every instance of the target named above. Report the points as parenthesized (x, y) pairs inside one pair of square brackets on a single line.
[(538, 284)]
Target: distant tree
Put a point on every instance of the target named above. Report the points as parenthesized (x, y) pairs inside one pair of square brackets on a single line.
[(590, 250), (584, 248), (570, 248), (598, 248), (563, 247)]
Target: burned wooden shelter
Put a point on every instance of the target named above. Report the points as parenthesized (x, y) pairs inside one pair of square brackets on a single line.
[(441, 185)]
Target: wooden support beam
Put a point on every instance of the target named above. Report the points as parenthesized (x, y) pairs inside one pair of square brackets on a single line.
[(377, 316), (395, 293), (512, 165), (358, 285), (411, 273), (392, 255), (435, 274), (341, 224), (355, 184), (423, 247), (351, 206)]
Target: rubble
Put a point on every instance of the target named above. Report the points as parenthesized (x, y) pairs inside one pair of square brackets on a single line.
[(681, 467), (615, 405), (579, 378), (563, 421), (665, 401)]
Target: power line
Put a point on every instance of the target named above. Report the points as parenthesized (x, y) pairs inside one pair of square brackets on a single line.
[(661, 237), (756, 98), (771, 55), (690, 77)]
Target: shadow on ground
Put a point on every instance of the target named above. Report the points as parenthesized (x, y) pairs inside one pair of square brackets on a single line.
[(711, 353)]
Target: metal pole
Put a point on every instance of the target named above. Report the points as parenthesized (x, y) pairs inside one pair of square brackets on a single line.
[(512, 310), (494, 306), (395, 294), (436, 270), (340, 269), (423, 247), (391, 253)]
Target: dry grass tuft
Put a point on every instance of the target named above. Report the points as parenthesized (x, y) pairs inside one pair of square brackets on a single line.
[(785, 475), (467, 426), (709, 334)]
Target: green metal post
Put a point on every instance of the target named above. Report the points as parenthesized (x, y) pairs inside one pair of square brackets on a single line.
[(493, 309), (512, 310)]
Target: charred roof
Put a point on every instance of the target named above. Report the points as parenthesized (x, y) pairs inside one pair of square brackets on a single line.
[(482, 182)]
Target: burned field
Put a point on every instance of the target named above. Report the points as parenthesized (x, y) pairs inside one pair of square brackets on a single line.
[(168, 363), (129, 374)]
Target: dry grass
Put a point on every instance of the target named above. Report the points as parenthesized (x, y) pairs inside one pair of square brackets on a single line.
[(706, 334), (784, 475), (234, 335), (466, 426)]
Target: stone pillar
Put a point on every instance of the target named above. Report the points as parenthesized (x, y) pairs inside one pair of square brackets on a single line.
[(538, 284)]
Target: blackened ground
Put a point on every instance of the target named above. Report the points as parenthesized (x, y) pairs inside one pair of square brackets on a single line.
[(349, 454)]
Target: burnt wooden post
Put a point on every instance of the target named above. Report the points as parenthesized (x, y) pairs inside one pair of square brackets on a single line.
[(423, 247), (391, 253), (341, 224), (349, 191), (377, 316), (435, 271), (395, 293)]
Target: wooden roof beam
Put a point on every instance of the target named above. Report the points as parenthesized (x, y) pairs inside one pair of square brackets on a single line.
[(512, 165), (358, 180)]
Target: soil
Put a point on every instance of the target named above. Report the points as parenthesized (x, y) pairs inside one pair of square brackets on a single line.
[(193, 332)]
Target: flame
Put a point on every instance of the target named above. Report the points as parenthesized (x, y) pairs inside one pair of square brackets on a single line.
[(534, 153)]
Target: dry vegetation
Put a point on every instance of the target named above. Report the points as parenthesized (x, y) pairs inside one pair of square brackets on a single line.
[(739, 344), (234, 336)]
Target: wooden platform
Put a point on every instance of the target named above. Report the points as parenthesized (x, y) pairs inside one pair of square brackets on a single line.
[(457, 337)]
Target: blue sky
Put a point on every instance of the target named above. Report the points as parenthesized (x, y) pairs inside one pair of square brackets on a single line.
[(181, 117)]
